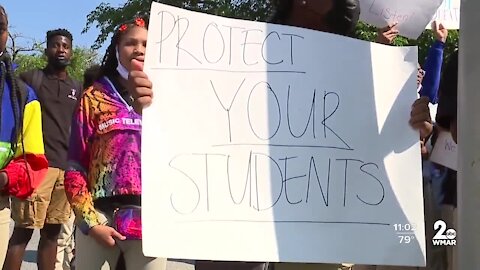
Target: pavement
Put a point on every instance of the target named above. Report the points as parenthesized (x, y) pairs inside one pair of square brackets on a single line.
[(30, 258)]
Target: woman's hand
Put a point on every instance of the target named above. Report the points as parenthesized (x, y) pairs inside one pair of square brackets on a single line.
[(140, 87), (105, 235)]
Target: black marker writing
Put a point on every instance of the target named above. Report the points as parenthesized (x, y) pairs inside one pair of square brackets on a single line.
[(227, 109), (311, 116), (251, 115)]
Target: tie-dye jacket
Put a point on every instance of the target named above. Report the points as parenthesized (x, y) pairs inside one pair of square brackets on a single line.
[(104, 152)]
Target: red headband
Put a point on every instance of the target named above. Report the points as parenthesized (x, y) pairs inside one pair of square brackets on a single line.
[(138, 22)]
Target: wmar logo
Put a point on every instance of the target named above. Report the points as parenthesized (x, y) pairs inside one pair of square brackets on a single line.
[(443, 237), (72, 94)]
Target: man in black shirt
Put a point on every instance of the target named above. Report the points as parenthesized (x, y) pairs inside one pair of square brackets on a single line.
[(47, 209)]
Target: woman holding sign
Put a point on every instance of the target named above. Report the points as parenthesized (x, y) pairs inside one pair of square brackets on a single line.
[(103, 181)]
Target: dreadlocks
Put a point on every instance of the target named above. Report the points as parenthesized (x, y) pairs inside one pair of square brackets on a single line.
[(109, 62), (16, 95)]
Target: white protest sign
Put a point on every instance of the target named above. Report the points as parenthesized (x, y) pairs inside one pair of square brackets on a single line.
[(274, 143), (448, 14), (412, 16), (445, 151)]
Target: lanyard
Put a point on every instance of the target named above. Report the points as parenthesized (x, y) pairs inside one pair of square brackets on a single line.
[(130, 108)]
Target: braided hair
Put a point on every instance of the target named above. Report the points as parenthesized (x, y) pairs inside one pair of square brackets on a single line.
[(110, 61), (17, 96)]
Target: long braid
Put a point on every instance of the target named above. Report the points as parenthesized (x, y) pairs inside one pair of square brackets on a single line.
[(3, 69), (18, 100), (2, 83), (109, 62), (17, 97)]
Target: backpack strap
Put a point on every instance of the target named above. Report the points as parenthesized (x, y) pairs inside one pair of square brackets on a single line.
[(37, 79), (34, 78), (23, 95)]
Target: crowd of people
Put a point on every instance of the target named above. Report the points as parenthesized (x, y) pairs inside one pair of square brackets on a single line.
[(55, 170)]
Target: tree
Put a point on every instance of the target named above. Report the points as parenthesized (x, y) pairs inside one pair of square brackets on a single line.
[(107, 18), (82, 59), (14, 48)]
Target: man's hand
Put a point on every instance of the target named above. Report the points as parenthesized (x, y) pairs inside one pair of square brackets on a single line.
[(105, 235), (440, 32), (387, 34), (420, 118), (140, 87)]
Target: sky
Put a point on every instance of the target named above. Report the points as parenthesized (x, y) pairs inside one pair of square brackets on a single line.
[(33, 18)]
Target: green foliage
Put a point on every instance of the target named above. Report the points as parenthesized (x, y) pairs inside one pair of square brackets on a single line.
[(81, 60), (369, 33), (427, 38), (106, 18), (27, 62)]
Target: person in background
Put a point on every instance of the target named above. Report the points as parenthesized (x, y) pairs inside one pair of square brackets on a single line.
[(48, 209), (90, 75), (23, 164), (433, 64), (446, 120), (428, 81)]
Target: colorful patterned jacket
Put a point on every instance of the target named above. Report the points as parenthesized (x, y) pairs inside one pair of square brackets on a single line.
[(104, 152)]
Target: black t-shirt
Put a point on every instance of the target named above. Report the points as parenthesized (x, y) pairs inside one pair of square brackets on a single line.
[(58, 99)]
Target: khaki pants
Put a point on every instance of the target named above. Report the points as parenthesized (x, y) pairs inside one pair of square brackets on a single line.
[(48, 203), (4, 227), (89, 255), (65, 246)]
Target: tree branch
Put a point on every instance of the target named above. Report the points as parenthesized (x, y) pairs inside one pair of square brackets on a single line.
[(15, 49)]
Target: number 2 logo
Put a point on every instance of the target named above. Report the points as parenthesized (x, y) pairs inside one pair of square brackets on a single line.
[(442, 233)]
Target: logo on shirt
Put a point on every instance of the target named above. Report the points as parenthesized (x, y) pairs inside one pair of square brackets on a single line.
[(72, 94), (124, 121)]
